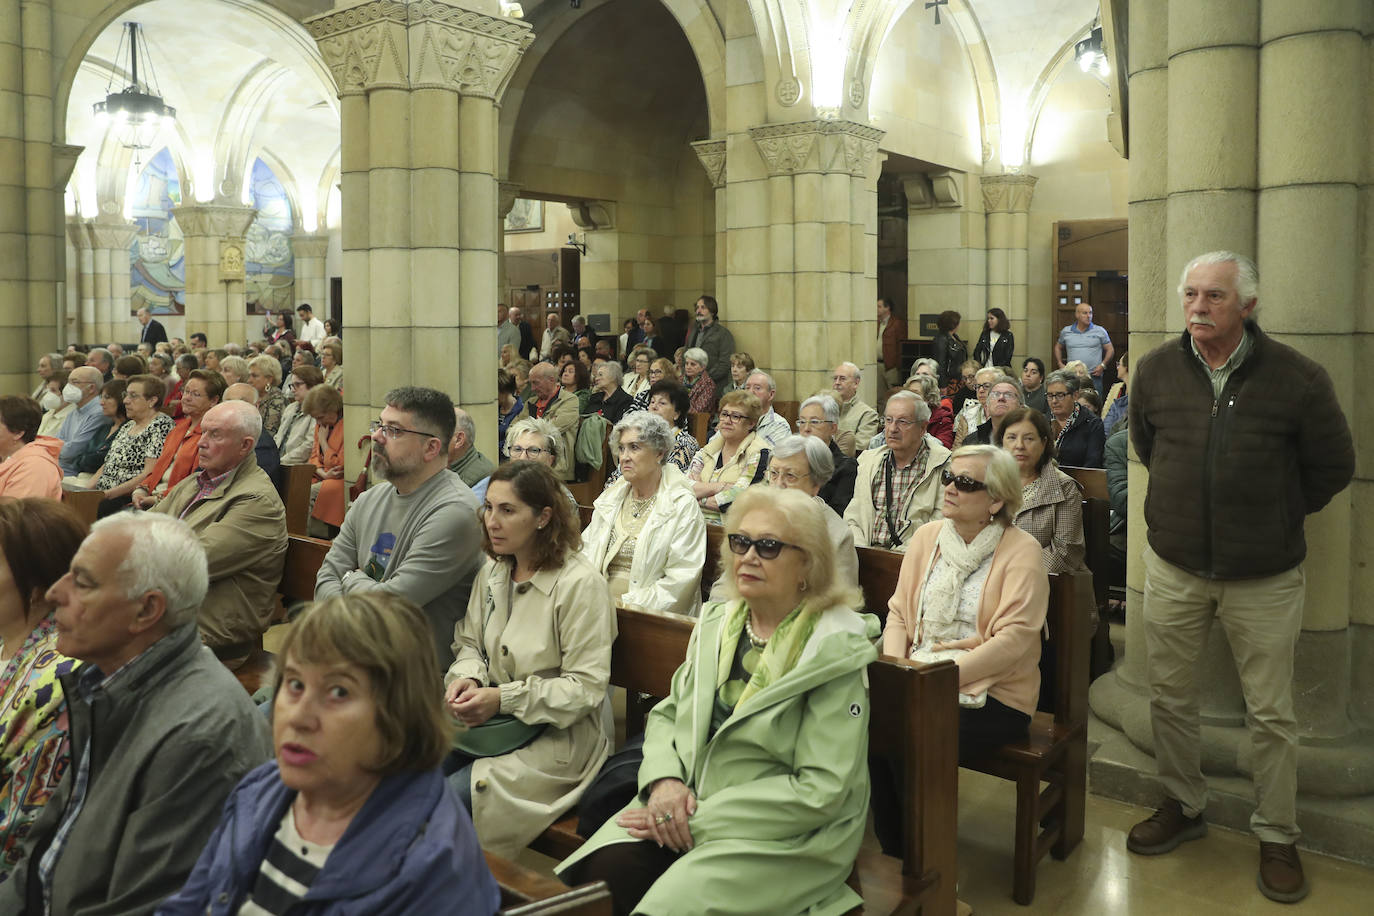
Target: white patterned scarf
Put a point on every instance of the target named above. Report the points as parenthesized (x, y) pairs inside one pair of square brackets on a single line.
[(940, 597)]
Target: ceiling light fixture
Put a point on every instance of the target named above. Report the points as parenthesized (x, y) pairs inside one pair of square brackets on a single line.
[(137, 111), (1089, 53)]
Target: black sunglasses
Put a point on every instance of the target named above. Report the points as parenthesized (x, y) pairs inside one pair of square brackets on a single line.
[(768, 548), (963, 483)]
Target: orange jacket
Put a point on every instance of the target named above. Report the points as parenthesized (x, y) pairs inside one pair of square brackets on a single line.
[(178, 450), (325, 455)]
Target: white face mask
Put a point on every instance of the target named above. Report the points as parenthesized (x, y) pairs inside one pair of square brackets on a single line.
[(71, 394), (51, 400)]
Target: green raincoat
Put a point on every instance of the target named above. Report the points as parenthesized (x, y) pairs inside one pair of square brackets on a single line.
[(782, 787)]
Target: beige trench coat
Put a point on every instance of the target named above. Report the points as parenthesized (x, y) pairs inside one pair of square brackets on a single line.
[(551, 657)]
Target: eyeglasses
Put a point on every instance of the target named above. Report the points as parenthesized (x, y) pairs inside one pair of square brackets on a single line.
[(791, 478), (1057, 395), (733, 417), (767, 548), (963, 483), (1002, 395), (391, 432), (813, 423), (984, 386), (533, 452)]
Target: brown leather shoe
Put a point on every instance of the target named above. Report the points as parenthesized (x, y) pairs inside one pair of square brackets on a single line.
[(1280, 873), (1164, 830)]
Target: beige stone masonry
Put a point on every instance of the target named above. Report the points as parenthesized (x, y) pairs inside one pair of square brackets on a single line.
[(946, 248), (109, 241), (216, 304), (1007, 200), (308, 252)]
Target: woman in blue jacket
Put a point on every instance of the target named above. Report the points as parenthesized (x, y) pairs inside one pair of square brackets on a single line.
[(353, 815)]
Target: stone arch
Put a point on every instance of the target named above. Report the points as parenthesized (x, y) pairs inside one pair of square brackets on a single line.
[(699, 27), (235, 148), (1040, 92)]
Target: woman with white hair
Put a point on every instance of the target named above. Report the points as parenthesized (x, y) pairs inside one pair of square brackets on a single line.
[(264, 374), (974, 412), (647, 534), (972, 588), (608, 398), (531, 439), (819, 417), (698, 382)]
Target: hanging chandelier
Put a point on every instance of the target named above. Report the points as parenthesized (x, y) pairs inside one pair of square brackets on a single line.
[(137, 112)]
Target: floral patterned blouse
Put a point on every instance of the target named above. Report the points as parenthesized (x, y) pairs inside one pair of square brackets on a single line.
[(131, 451)]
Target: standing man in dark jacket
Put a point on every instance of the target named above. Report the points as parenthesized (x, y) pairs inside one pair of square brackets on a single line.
[(160, 731), (711, 336), (1243, 437), (152, 332)]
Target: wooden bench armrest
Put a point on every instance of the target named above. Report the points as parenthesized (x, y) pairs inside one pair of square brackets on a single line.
[(528, 893)]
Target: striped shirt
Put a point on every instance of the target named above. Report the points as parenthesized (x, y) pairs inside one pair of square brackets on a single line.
[(1222, 374), (287, 871)]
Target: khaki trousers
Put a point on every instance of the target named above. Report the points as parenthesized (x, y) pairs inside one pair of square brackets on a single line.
[(1262, 618)]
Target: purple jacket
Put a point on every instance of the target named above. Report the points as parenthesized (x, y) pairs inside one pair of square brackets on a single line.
[(411, 849)]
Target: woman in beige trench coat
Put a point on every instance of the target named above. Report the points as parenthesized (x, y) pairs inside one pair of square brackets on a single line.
[(535, 644)]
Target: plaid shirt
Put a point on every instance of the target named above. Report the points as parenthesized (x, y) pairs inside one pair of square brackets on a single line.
[(90, 681), (904, 481), (205, 486)]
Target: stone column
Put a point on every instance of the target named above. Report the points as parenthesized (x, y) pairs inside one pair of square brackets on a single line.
[(85, 280), (1235, 92), (805, 242), (946, 249), (1007, 200), (216, 303), (110, 238), (308, 252), (506, 194), (419, 84)]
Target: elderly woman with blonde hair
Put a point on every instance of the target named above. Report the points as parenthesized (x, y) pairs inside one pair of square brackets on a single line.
[(735, 458), (359, 731), (753, 787), (647, 534), (264, 374)]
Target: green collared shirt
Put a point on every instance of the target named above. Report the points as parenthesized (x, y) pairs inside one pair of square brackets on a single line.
[(1222, 373)]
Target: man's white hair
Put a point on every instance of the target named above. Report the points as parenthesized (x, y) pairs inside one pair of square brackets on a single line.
[(164, 556), (858, 373), (768, 378), (1247, 274)]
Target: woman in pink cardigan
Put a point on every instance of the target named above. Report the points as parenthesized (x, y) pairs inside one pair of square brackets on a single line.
[(972, 588)]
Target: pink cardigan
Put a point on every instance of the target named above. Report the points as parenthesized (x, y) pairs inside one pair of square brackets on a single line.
[(1004, 655)]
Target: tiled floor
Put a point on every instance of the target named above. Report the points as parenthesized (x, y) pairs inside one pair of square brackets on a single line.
[(1214, 875)]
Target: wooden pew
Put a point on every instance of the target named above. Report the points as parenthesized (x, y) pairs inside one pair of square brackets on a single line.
[(1092, 480), (84, 503), (1056, 752), (878, 572), (1097, 520), (304, 557), (528, 893), (788, 411), (700, 425), (294, 488), (711, 570)]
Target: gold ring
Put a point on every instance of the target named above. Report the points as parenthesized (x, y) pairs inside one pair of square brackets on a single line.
[(660, 819)]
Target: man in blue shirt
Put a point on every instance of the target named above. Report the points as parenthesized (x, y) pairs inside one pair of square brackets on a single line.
[(1085, 341), (83, 390)]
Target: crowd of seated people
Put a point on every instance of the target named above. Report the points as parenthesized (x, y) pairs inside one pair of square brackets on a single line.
[(484, 566)]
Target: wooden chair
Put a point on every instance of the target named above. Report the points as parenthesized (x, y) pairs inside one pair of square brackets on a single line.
[(1056, 752), (788, 411), (294, 488), (304, 557), (528, 893)]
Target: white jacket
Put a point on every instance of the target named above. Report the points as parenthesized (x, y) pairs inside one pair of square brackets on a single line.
[(665, 574)]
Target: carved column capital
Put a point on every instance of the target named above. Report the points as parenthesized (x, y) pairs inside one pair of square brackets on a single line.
[(1008, 193), (219, 221), (363, 45), (114, 233), (505, 198), (309, 246), (820, 145), (460, 49), (712, 156)]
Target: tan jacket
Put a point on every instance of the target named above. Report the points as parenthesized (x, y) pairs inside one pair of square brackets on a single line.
[(551, 657), (860, 421), (562, 413), (923, 506), (242, 526)]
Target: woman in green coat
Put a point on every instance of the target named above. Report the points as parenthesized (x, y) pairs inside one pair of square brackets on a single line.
[(753, 792)]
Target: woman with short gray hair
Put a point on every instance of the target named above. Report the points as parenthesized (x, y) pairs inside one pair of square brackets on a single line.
[(647, 534), (1078, 435), (701, 388), (927, 387)]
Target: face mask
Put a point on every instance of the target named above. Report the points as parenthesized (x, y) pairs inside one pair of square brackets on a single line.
[(51, 400), (71, 394)]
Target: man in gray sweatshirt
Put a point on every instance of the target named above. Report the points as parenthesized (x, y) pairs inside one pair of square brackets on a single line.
[(417, 534)]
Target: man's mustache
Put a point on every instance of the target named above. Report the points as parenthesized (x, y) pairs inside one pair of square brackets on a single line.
[(1202, 320)]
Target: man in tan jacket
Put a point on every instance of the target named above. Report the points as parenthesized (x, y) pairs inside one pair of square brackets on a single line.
[(550, 402), (897, 488), (234, 509)]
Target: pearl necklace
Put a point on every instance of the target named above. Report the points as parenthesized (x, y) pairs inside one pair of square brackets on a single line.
[(753, 638)]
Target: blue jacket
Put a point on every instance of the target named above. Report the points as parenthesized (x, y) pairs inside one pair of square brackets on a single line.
[(411, 849)]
